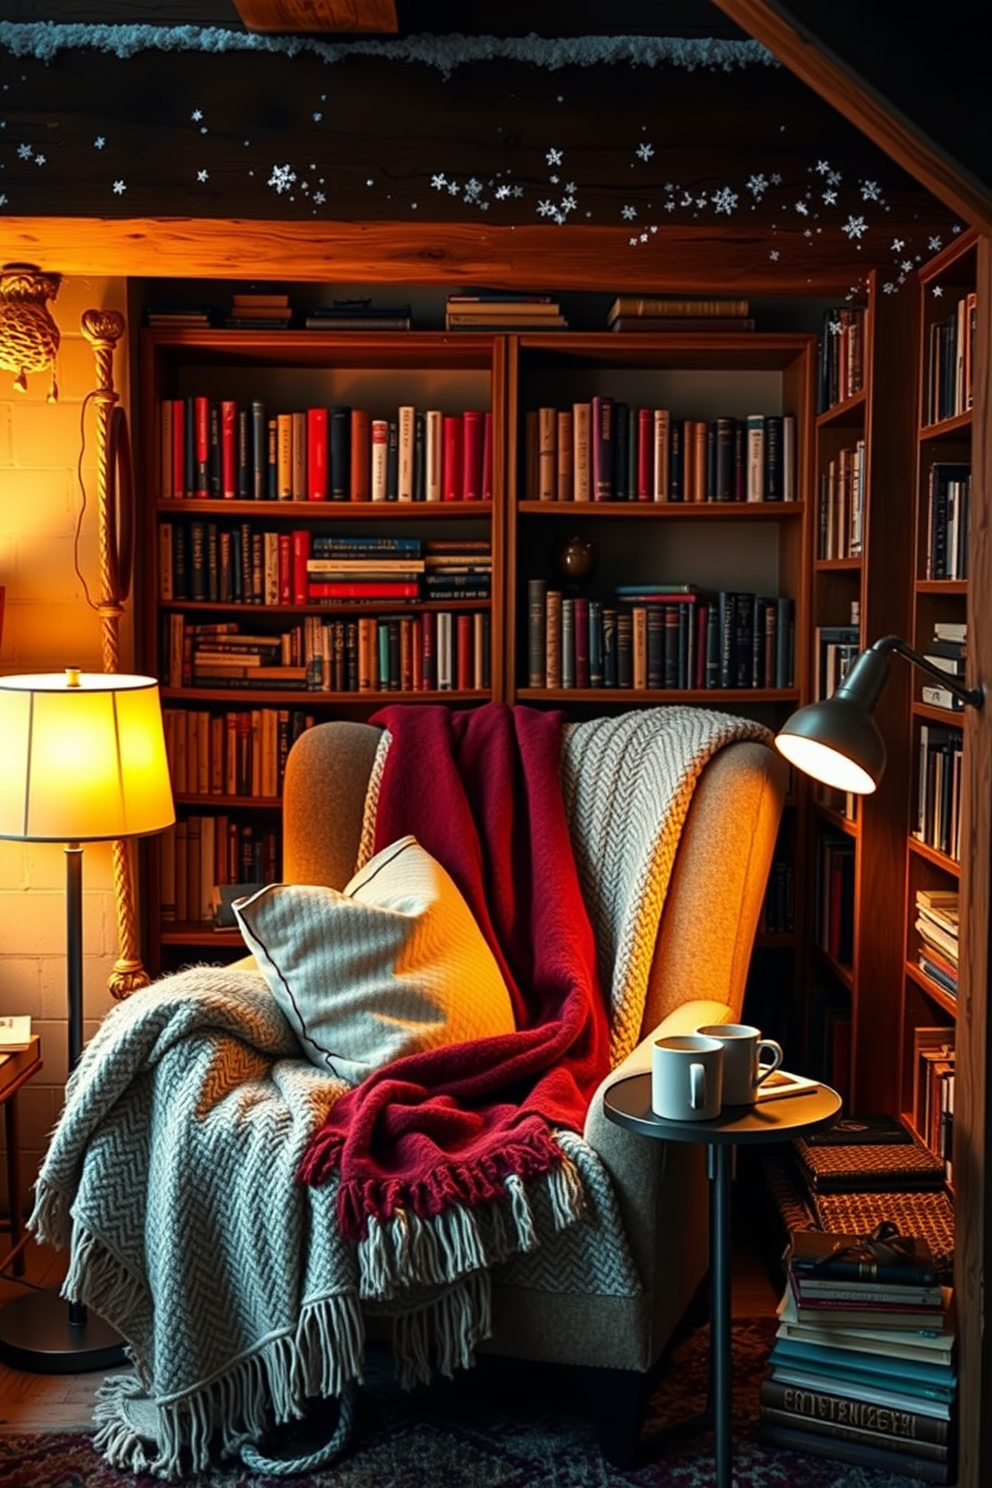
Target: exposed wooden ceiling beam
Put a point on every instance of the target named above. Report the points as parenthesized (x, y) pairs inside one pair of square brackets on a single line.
[(351, 17), (838, 83)]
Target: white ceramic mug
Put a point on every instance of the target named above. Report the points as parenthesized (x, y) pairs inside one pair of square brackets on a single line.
[(748, 1059), (687, 1077)]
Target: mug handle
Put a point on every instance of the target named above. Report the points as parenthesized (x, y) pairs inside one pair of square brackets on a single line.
[(697, 1087), (764, 1070)]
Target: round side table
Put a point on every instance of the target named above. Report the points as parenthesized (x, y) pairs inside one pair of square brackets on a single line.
[(628, 1103)]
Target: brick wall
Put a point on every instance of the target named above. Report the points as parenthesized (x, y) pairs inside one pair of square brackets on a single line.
[(48, 625)]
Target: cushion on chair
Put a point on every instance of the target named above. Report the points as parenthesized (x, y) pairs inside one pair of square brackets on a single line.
[(392, 965)]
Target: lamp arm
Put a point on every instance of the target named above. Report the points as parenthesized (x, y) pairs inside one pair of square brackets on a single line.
[(975, 696)]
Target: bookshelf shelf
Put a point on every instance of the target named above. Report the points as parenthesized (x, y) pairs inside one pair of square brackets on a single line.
[(931, 855), (937, 995)]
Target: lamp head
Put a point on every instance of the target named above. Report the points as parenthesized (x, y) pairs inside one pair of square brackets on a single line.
[(837, 741)]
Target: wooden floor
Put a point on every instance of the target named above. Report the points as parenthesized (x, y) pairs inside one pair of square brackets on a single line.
[(64, 1402)]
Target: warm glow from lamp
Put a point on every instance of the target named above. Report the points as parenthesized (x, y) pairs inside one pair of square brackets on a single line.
[(825, 764), (84, 758)]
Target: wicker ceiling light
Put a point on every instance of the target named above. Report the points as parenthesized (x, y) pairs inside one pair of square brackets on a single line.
[(29, 337)]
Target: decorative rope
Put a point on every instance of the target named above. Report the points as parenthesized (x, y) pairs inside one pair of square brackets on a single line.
[(103, 329)]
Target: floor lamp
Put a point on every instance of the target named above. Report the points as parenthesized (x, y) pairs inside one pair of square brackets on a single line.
[(84, 761)]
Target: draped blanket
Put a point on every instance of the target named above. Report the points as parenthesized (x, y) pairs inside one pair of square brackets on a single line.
[(480, 790)]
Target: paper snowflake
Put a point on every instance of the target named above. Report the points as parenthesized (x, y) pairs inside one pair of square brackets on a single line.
[(99, 142), (934, 243), (644, 152), (119, 188), (439, 181), (898, 244), (24, 152), (830, 197), (628, 213), (870, 191), (3, 199), (758, 184), (545, 208), (907, 265), (938, 290), (855, 227), (773, 254), (202, 175), (822, 167), (502, 192), (724, 200), (834, 178), (802, 209), (473, 189), (40, 159), (888, 287), (317, 116), (319, 198), (196, 115), (282, 178), (554, 157)]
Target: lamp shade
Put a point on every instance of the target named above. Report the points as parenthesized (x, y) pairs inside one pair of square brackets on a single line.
[(83, 758), (835, 742)]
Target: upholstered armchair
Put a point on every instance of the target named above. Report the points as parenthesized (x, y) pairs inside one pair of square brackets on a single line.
[(576, 1309)]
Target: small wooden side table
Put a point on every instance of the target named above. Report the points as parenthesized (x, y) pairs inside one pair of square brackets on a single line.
[(628, 1103), (16, 1066)]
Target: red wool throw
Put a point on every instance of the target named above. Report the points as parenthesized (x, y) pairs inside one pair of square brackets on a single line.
[(479, 789)]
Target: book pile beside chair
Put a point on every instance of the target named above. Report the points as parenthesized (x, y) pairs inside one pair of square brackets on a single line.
[(863, 1367)]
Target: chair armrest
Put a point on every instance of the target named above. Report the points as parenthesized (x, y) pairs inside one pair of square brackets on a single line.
[(638, 1166)]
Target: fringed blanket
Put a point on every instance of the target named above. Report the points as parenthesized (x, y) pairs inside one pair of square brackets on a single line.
[(172, 1176)]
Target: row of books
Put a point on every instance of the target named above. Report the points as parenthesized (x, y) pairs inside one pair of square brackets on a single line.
[(950, 361), (948, 510), (836, 647), (648, 638), (434, 651), (235, 752), (936, 924), (659, 315), (498, 310), (938, 789), (778, 911), (205, 561), (275, 312), (933, 1092), (216, 449), (863, 1368), (840, 528), (202, 850), (605, 449), (840, 358)]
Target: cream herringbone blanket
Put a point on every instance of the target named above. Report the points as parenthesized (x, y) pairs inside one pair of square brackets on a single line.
[(171, 1176)]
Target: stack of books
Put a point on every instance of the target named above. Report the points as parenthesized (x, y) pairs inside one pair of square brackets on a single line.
[(654, 313), (863, 1367), (259, 312), (947, 654), (358, 315), (937, 926), (179, 315), (496, 310)]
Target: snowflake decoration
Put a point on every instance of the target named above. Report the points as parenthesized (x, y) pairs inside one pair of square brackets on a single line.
[(830, 197), (453, 188), (888, 287), (282, 178), (834, 327), (774, 255), (686, 200), (202, 175), (822, 167), (802, 208), (119, 188), (870, 191), (898, 244), (545, 209), (700, 201), (317, 116), (938, 290), (319, 198), (502, 192), (724, 200), (40, 159), (570, 188), (568, 203), (554, 157), (757, 185), (934, 243), (196, 115), (855, 227), (644, 152), (473, 189), (439, 181), (775, 178), (834, 178), (24, 152), (554, 180), (907, 265), (629, 213), (99, 142), (3, 199), (669, 206)]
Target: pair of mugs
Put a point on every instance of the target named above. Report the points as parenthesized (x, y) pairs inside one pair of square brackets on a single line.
[(694, 1075)]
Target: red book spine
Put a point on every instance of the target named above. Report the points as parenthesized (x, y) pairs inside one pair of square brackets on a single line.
[(645, 454), (317, 454), (201, 415), (363, 589), (361, 454), (417, 660), (301, 556), (429, 650), (451, 458), (602, 448), (229, 449), (472, 439), (487, 456), (178, 449), (464, 668), (285, 568)]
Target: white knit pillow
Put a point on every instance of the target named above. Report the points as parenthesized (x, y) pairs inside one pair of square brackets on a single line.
[(392, 965)]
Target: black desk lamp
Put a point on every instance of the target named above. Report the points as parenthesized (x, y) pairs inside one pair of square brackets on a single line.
[(837, 741)]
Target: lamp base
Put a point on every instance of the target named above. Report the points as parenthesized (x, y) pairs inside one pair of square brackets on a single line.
[(36, 1335)]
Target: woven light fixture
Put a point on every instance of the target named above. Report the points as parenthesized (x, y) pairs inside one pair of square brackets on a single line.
[(29, 337)]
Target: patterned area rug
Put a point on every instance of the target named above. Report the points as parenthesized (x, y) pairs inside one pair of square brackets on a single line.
[(500, 1426)]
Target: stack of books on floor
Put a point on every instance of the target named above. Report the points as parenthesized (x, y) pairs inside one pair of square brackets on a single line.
[(497, 310), (863, 1367), (654, 313), (358, 315), (259, 312)]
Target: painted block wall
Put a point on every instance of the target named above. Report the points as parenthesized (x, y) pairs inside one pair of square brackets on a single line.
[(47, 626)]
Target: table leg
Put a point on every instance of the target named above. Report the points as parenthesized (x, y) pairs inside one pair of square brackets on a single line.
[(719, 1168), (14, 1180)]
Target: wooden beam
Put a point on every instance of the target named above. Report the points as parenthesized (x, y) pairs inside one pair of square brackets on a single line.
[(353, 17), (769, 23), (699, 258)]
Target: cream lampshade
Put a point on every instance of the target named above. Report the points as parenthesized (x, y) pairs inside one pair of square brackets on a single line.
[(83, 761)]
